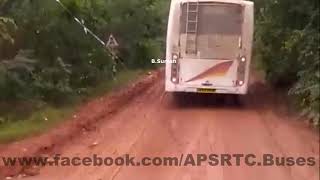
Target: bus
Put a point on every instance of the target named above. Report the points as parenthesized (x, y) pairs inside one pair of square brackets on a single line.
[(209, 46)]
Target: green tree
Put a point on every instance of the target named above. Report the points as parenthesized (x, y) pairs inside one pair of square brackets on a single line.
[(65, 59), (287, 43)]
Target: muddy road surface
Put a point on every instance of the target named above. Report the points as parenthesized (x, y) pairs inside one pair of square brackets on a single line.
[(156, 124)]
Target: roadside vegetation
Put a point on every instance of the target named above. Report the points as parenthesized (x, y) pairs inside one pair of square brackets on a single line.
[(49, 64), (21, 121), (287, 43)]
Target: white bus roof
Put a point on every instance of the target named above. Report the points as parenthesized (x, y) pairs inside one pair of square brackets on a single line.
[(222, 1)]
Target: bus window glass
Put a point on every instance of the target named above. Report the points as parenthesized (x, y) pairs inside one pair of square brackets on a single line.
[(219, 29)]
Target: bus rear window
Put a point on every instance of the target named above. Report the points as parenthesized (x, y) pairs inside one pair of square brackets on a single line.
[(215, 18), (219, 29)]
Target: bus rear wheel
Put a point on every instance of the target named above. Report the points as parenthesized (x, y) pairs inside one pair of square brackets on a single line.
[(232, 100)]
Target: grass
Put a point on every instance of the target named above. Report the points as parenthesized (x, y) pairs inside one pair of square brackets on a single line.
[(17, 127), (121, 79), (36, 123)]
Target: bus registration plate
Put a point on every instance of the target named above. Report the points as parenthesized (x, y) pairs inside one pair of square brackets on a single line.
[(206, 90)]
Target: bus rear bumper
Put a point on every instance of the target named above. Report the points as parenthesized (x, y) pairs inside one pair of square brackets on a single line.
[(241, 90)]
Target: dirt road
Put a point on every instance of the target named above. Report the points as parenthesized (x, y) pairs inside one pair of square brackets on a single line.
[(153, 124)]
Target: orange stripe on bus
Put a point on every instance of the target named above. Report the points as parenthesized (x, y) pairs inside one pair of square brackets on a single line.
[(217, 70)]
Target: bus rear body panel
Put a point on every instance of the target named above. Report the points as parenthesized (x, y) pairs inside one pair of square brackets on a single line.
[(211, 42)]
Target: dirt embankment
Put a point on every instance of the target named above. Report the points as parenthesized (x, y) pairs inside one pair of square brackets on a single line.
[(84, 120)]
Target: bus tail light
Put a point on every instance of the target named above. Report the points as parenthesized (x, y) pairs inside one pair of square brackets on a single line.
[(241, 71), (175, 69), (239, 83)]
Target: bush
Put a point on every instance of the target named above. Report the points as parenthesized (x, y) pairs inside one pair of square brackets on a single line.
[(65, 60), (287, 41)]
